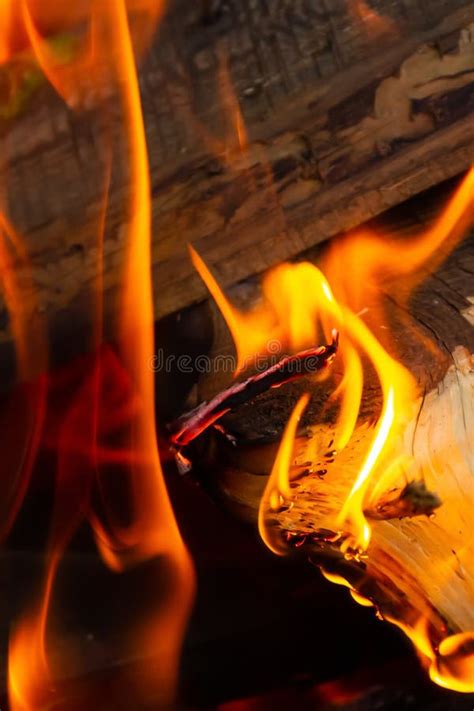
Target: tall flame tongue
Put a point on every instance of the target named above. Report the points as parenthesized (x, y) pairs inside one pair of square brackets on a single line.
[(277, 490), (109, 471), (298, 307), (299, 304)]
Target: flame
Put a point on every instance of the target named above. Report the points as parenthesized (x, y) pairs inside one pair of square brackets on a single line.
[(299, 305), (230, 105), (109, 417), (386, 257), (339, 580), (154, 531), (80, 65), (453, 667), (451, 662), (5, 25), (31, 353), (278, 489)]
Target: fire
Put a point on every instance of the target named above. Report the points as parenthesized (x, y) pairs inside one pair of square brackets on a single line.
[(451, 663), (278, 489), (297, 307), (106, 414), (300, 303), (230, 104), (453, 667), (107, 409), (154, 530), (18, 18)]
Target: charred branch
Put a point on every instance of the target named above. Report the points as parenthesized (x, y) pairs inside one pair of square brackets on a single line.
[(290, 368)]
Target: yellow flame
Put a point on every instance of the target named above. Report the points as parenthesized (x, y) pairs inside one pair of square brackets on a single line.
[(299, 305), (339, 580), (298, 309), (451, 665), (277, 490)]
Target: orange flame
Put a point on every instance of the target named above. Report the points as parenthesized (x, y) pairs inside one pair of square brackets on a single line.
[(299, 305), (278, 489), (5, 25), (110, 416), (451, 664), (113, 405), (230, 104), (154, 530)]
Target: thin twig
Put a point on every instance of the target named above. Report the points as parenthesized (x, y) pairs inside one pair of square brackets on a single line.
[(192, 424)]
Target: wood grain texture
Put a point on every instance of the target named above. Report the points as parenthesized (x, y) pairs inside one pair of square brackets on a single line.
[(346, 115)]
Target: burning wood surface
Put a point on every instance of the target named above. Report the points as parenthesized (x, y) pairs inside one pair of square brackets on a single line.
[(109, 415), (384, 506), (418, 569)]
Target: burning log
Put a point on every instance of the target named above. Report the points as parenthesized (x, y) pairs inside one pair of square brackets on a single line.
[(378, 491), (353, 111), (428, 523)]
